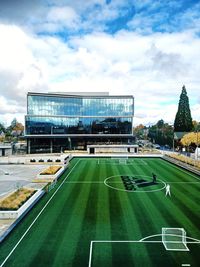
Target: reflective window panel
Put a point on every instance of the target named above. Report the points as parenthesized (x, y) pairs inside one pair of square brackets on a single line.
[(42, 105), (36, 125)]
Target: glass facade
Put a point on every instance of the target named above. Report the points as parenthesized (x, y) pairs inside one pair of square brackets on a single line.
[(79, 106), (56, 122), (77, 125)]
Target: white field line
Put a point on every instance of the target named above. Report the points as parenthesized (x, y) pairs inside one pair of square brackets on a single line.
[(84, 182), (144, 162), (37, 217), (140, 241), (195, 241), (183, 182), (187, 172), (119, 182), (99, 161), (140, 191), (90, 255), (118, 163)]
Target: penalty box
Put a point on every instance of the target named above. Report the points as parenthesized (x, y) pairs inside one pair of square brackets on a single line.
[(136, 253)]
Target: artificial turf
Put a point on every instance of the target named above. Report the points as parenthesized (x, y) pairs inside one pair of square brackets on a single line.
[(81, 208)]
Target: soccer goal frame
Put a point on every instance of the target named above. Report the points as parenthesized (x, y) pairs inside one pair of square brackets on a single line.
[(174, 239), (120, 160)]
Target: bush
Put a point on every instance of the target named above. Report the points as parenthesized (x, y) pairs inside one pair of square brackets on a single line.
[(15, 200), (51, 170), (185, 159)]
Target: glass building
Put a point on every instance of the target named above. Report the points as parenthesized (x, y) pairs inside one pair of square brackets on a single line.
[(58, 122)]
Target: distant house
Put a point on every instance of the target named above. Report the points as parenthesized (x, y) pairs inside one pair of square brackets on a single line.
[(16, 132)]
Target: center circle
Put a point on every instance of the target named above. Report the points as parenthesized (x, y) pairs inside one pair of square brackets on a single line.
[(115, 182)]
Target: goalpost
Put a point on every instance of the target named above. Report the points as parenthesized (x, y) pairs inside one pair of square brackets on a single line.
[(120, 160), (124, 160), (174, 239)]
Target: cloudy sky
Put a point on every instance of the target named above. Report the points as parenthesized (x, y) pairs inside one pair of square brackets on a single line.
[(147, 48)]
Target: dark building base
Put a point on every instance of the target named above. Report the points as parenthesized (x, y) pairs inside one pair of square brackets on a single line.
[(59, 145)]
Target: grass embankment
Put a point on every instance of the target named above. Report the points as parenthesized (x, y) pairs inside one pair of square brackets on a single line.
[(185, 159), (51, 170), (15, 200)]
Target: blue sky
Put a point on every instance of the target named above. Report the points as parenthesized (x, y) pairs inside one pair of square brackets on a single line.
[(145, 48)]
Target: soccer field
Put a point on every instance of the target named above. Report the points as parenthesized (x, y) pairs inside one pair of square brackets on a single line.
[(108, 213)]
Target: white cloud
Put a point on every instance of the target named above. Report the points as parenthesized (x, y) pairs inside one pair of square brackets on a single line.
[(153, 68), (59, 18)]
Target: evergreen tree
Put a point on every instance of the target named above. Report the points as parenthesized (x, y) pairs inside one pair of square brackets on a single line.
[(2, 128), (183, 119)]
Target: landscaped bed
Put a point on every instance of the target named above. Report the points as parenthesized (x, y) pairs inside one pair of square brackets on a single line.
[(51, 170), (185, 159), (15, 200)]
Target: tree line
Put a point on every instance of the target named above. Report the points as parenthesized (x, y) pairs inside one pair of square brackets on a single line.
[(163, 133), (12, 132)]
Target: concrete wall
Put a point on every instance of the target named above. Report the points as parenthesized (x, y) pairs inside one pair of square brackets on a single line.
[(110, 149), (113, 149)]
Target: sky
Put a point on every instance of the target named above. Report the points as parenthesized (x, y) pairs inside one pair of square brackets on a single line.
[(145, 48)]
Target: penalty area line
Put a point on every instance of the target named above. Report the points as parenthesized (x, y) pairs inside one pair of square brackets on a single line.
[(182, 182), (84, 182), (11, 252), (90, 255), (193, 241)]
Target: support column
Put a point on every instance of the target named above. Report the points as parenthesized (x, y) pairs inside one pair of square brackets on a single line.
[(28, 146), (51, 146)]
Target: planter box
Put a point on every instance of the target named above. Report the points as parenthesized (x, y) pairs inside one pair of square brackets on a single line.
[(21, 212), (14, 214), (51, 176)]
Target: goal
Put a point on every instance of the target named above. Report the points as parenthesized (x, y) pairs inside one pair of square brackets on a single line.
[(120, 160), (174, 239)]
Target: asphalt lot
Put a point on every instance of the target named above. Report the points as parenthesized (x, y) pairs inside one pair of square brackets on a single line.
[(14, 176)]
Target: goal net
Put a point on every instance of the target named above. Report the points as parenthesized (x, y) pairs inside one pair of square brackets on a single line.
[(120, 160), (174, 239)]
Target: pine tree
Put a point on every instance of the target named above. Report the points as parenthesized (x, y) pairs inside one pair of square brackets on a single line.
[(183, 119)]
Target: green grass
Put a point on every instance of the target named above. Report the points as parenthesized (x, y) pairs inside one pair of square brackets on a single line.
[(84, 209)]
